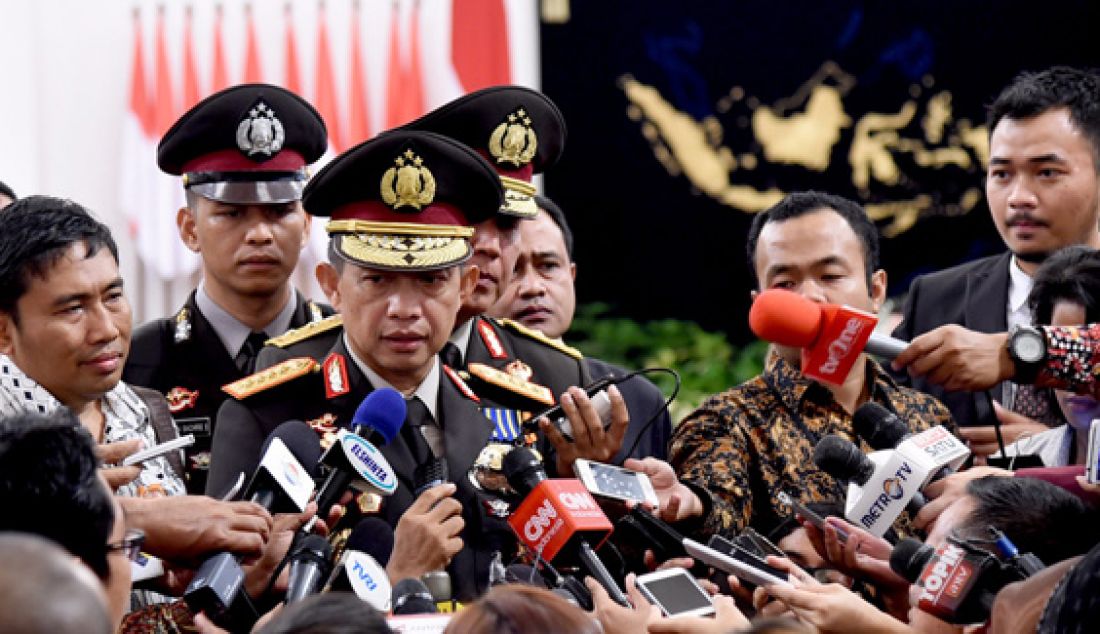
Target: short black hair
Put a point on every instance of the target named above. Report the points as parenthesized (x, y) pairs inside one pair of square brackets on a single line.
[(1032, 93), (1071, 274), (558, 216), (1039, 517), (36, 232), (801, 203), (45, 590), (328, 613), (49, 485), (6, 191)]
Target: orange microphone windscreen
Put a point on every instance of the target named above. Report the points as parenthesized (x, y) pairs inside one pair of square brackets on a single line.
[(785, 318)]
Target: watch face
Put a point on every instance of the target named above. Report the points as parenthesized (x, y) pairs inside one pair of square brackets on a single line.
[(1029, 347)]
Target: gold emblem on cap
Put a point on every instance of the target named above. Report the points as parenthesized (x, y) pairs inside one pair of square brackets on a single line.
[(514, 140), (408, 183)]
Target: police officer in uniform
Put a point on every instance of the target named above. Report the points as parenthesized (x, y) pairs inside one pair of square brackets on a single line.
[(515, 371), (242, 154)]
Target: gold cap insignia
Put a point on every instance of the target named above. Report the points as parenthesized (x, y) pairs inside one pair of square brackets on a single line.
[(514, 140), (408, 183)]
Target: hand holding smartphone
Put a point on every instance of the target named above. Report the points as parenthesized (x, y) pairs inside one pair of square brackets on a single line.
[(676, 592), (614, 482), (158, 450)]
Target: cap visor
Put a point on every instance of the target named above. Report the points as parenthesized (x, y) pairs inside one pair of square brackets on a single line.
[(251, 192)]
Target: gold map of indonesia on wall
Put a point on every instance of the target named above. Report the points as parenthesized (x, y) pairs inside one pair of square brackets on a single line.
[(803, 129)]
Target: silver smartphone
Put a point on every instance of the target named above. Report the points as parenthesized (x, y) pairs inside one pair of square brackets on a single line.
[(615, 482), (676, 592)]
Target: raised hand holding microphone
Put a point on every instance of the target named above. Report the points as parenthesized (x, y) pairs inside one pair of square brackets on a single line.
[(428, 534)]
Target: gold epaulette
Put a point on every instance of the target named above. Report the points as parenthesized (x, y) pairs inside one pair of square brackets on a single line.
[(305, 332), (275, 375), (541, 338)]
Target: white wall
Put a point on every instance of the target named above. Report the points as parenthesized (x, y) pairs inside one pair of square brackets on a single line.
[(64, 82)]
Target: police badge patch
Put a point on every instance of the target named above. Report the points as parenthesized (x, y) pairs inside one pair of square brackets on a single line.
[(260, 132)]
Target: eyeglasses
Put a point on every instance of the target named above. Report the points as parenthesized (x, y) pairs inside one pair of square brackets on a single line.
[(131, 544)]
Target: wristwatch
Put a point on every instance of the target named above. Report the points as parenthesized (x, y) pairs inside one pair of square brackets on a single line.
[(1027, 347)]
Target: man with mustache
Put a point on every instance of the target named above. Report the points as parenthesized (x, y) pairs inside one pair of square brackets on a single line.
[(1043, 188), (243, 155)]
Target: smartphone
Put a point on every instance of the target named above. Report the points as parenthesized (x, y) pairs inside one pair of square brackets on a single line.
[(738, 553), (676, 592), (597, 393), (1092, 467), (615, 482), (158, 450), (730, 565), (810, 516)]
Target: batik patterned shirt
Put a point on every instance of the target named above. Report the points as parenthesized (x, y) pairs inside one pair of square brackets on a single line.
[(750, 443)]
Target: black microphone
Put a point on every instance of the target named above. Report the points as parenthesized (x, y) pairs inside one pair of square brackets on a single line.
[(957, 584), (411, 596), (527, 476), (427, 475), (281, 484), (361, 568), (842, 459), (310, 565), (354, 455), (882, 429)]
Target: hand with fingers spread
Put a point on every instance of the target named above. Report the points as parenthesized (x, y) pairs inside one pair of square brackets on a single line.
[(943, 492), (957, 358), (113, 454), (864, 556), (983, 439), (764, 602), (187, 528), (427, 535), (676, 501), (616, 619), (590, 440)]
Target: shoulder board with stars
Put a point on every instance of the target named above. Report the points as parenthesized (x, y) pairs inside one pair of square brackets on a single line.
[(460, 384), (511, 383), (266, 379), (517, 327), (302, 333)]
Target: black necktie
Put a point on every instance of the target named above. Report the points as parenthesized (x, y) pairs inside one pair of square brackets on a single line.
[(452, 356), (246, 358), (416, 416)]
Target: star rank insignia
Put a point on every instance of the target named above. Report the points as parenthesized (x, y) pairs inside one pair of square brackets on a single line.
[(514, 140), (409, 183), (260, 132)]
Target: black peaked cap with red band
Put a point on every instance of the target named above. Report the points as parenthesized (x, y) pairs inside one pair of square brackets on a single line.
[(404, 200), (520, 131), (248, 143)]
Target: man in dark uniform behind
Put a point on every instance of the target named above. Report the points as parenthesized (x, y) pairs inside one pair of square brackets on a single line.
[(242, 153), (396, 275)]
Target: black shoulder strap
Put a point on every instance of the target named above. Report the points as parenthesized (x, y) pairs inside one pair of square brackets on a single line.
[(164, 427)]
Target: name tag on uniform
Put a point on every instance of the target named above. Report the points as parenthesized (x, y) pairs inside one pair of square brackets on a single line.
[(199, 426)]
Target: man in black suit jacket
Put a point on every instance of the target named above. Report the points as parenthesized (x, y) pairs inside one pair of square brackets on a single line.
[(245, 219), (1043, 189)]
